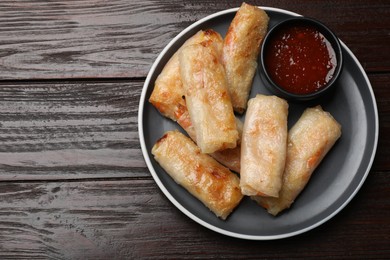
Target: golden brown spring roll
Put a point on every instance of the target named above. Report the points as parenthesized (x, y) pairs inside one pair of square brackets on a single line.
[(240, 52), (207, 97), (210, 182), (263, 146), (309, 140), (168, 98), (168, 92)]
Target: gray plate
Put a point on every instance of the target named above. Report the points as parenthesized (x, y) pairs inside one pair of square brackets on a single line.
[(333, 184)]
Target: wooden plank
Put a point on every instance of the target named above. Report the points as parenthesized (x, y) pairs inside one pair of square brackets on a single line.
[(380, 83), (133, 219), (73, 130), (67, 130), (122, 38)]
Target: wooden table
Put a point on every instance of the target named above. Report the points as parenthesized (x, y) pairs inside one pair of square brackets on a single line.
[(73, 181)]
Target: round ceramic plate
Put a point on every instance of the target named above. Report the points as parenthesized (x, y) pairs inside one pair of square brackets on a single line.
[(333, 184)]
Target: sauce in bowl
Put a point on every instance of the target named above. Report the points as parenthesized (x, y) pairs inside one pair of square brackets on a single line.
[(299, 58)]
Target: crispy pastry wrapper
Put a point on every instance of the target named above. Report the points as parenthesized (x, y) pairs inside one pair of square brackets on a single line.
[(230, 158), (210, 182), (207, 97), (309, 140), (240, 52), (263, 146)]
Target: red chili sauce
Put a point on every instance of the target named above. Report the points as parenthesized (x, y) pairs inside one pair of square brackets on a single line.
[(300, 59)]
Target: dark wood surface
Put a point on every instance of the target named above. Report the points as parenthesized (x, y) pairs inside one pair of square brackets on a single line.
[(73, 182)]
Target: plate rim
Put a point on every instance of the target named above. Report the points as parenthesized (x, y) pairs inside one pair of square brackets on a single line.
[(187, 212)]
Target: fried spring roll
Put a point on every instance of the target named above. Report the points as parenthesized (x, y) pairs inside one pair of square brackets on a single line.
[(309, 140), (263, 146), (210, 182), (168, 98), (207, 98), (240, 52), (168, 92)]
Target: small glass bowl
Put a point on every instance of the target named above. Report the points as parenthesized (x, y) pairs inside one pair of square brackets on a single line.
[(329, 36)]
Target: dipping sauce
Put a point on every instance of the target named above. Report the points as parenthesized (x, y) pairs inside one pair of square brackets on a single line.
[(300, 59)]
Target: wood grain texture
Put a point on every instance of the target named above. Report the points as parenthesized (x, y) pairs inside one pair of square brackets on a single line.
[(65, 130), (132, 219), (380, 83), (122, 38)]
